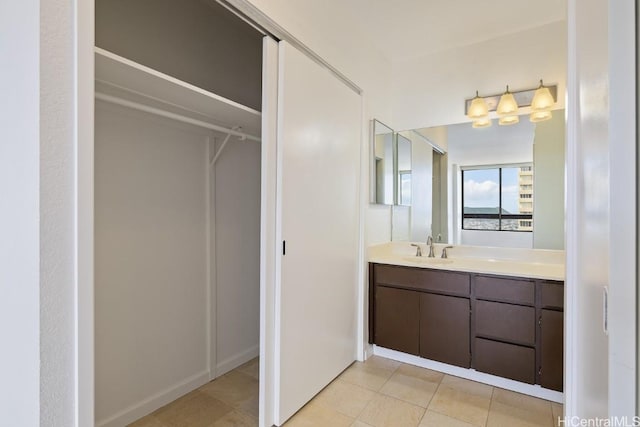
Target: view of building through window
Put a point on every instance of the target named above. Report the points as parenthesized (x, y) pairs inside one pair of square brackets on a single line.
[(498, 198)]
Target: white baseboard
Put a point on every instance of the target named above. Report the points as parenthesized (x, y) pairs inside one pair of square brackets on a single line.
[(158, 400), (471, 374), (236, 360)]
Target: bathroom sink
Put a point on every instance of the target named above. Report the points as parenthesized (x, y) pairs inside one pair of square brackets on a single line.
[(428, 261)]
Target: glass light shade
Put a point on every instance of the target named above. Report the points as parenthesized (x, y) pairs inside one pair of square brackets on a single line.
[(478, 108), (542, 99), (540, 116), (507, 105), (481, 123), (508, 120)]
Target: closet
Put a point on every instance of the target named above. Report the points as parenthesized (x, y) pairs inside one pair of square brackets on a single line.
[(227, 214), (177, 200)]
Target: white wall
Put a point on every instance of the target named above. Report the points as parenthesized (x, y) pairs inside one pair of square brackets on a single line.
[(237, 254), (19, 215), (57, 225), (548, 175), (588, 215), (431, 90), (623, 294), (150, 262)]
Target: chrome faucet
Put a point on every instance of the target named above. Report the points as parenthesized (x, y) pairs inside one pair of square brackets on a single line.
[(430, 244), (444, 251), (418, 249)]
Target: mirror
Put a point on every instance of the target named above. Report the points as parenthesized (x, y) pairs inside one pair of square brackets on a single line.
[(403, 177), (510, 178), (382, 164)]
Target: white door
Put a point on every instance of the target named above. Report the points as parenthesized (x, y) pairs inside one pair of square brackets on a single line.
[(319, 125)]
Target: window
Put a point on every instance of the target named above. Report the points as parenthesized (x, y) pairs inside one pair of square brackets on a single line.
[(498, 198)]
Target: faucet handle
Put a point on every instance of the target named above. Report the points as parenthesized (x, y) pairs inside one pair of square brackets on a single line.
[(444, 251), (418, 249), (429, 241)]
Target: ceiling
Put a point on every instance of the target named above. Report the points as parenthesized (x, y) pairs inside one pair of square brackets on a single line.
[(403, 29)]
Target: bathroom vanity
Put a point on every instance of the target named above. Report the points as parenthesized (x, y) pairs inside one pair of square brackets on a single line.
[(490, 314)]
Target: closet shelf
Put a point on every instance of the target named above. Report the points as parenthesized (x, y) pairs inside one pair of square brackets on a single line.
[(117, 76)]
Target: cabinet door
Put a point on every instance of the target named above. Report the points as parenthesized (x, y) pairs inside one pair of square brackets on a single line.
[(551, 349), (444, 329), (397, 319)]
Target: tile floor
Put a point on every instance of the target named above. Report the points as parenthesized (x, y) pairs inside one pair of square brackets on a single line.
[(377, 393)]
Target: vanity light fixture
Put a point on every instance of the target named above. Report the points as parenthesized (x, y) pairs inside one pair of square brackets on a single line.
[(478, 109), (482, 123), (541, 104), (509, 104), (507, 109)]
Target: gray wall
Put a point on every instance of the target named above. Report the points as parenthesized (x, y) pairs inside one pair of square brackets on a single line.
[(197, 41)]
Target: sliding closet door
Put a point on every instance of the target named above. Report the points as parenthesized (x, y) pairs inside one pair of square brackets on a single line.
[(319, 124)]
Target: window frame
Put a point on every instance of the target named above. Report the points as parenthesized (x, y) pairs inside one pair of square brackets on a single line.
[(499, 216)]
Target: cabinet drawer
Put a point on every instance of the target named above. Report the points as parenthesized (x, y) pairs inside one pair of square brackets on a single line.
[(422, 279), (505, 360), (506, 322), (552, 295), (517, 291)]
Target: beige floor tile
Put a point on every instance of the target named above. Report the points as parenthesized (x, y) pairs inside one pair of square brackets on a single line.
[(148, 421), (358, 423), (384, 411), (521, 401), (501, 415), (434, 419), (317, 415), (422, 373), (251, 406), (196, 409), (366, 375), (410, 389), (558, 413), (236, 419), (468, 386), (462, 401), (234, 388), (344, 397), (252, 368), (382, 363)]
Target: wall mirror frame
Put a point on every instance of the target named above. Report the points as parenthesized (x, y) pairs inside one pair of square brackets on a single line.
[(382, 167), (390, 168)]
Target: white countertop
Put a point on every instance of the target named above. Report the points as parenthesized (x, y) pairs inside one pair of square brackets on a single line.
[(532, 263)]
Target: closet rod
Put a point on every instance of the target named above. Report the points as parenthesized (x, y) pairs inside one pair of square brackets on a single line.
[(170, 115)]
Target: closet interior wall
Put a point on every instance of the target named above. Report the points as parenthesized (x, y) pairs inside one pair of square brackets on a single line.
[(177, 249)]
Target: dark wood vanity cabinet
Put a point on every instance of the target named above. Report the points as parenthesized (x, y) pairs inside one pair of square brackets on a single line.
[(444, 329), (397, 319), (551, 333), (505, 326), (504, 317), (421, 312)]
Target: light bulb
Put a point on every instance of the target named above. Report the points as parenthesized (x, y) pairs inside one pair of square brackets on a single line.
[(481, 123), (540, 116), (508, 120), (507, 105), (542, 99), (478, 108)]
